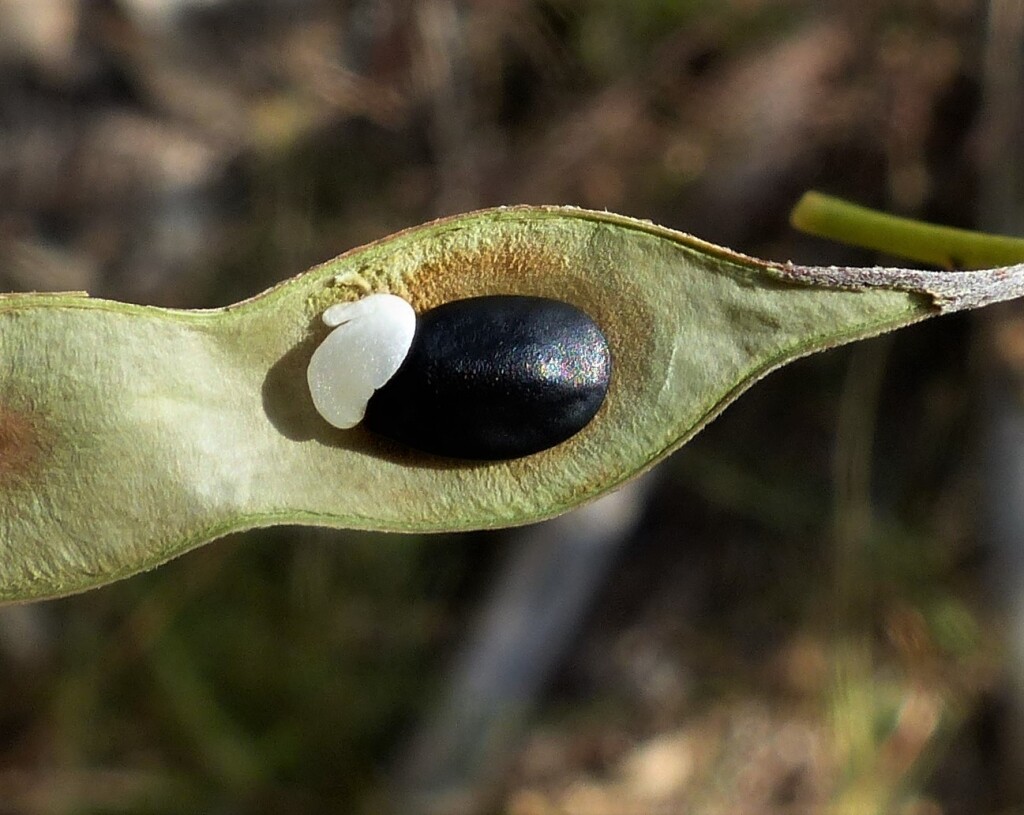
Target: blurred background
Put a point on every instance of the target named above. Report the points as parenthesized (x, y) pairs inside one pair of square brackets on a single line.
[(813, 607)]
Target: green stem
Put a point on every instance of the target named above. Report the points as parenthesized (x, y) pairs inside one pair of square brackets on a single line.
[(943, 246)]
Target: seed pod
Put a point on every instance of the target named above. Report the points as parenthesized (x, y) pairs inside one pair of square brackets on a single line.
[(495, 377), (204, 417)]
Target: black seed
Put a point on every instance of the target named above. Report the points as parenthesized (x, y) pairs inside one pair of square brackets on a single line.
[(494, 378)]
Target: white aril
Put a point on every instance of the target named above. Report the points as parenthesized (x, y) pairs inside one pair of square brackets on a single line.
[(370, 340)]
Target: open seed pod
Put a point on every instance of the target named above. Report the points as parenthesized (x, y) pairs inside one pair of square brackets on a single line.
[(131, 434)]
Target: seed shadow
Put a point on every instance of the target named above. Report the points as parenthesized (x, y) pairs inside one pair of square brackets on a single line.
[(286, 398)]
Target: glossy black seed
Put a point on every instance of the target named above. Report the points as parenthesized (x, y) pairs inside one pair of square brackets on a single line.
[(495, 378)]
